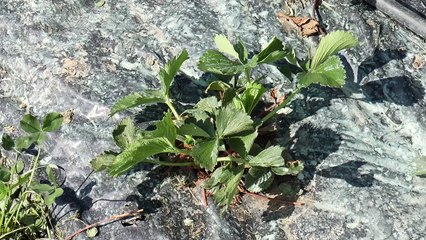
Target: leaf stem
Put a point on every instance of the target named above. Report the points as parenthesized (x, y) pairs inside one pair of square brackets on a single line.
[(224, 159), (3, 221), (283, 104), (13, 231), (170, 164), (3, 213), (33, 169), (173, 109), (235, 160), (247, 71)]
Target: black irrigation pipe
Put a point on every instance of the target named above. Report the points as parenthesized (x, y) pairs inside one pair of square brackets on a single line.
[(406, 17)]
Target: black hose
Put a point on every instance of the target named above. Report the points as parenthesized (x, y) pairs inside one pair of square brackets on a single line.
[(406, 17)]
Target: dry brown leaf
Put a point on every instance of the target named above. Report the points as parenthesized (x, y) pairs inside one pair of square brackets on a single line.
[(76, 68), (418, 62), (303, 25), (278, 99), (68, 116)]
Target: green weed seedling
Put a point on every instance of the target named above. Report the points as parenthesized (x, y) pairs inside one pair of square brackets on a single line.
[(219, 133), (24, 201), (421, 167)]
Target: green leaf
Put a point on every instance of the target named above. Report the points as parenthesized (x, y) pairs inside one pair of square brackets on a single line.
[(274, 51), (198, 114), (7, 142), (205, 153), (51, 175), (209, 104), (229, 189), (3, 191), (232, 187), (230, 121), (92, 232), (231, 99), (258, 179), (421, 173), (170, 70), (215, 62), (40, 221), (38, 138), (252, 95), (165, 128), (223, 44), (103, 161), (242, 145), (331, 44), (30, 124), (218, 86), (100, 3), (18, 167), (41, 188), (22, 179), (28, 219), (273, 57), (52, 122), (124, 134), (270, 157), (50, 199), (4, 174), (136, 99), (215, 178), (330, 73), (138, 152), (252, 63), (238, 104), (24, 142), (241, 49), (197, 128), (291, 56), (219, 77), (228, 97)]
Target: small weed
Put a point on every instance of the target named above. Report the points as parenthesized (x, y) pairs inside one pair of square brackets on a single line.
[(421, 166), (219, 133), (24, 201)]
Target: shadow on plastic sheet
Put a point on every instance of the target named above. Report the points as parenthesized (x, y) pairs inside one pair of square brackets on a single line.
[(79, 200), (310, 145), (146, 191), (401, 90), (314, 144), (349, 172)]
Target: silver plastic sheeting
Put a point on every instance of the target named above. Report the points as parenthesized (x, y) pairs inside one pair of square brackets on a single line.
[(360, 145)]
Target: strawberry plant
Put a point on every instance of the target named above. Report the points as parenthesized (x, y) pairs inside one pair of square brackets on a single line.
[(218, 134)]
